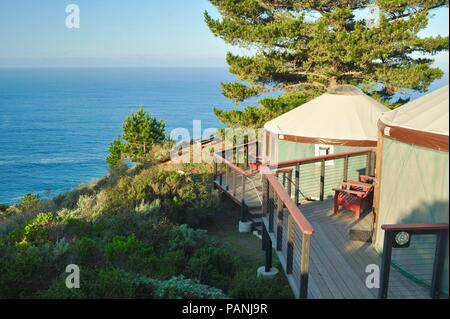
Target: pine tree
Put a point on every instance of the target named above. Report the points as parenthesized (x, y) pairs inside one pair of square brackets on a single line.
[(305, 47), (140, 133)]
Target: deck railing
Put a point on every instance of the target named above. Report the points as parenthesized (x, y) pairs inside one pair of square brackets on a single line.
[(232, 172), (285, 225), (418, 251), (316, 177), (283, 185)]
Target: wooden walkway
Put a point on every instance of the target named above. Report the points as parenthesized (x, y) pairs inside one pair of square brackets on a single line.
[(338, 265)]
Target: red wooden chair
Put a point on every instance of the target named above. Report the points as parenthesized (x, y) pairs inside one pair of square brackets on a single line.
[(354, 196)]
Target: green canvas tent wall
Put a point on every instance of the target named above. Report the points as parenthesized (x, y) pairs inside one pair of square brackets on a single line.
[(342, 120), (413, 175)]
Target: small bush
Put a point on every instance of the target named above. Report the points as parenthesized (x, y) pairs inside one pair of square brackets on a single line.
[(129, 253), (246, 285), (187, 239), (38, 230), (89, 252), (29, 202), (213, 266)]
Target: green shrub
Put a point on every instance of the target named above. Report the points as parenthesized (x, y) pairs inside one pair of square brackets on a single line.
[(178, 288), (29, 202), (182, 288), (89, 252), (38, 230), (187, 239), (114, 283), (29, 269), (129, 253), (247, 285), (213, 266), (167, 265)]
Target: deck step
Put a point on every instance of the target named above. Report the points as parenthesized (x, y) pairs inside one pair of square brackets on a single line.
[(360, 235), (362, 229)]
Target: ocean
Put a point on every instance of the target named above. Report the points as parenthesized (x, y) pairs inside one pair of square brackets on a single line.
[(56, 124)]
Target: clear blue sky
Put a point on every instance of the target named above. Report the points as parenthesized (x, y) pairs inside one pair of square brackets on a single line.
[(121, 33)]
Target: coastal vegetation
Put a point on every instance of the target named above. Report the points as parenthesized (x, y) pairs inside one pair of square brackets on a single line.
[(305, 47), (139, 232)]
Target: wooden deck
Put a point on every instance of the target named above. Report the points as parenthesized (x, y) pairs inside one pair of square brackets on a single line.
[(337, 264)]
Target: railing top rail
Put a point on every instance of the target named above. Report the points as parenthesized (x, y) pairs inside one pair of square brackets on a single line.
[(231, 165), (415, 227), (295, 212), (315, 159), (240, 146)]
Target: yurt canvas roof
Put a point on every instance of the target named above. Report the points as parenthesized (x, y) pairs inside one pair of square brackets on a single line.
[(345, 116), (424, 121)]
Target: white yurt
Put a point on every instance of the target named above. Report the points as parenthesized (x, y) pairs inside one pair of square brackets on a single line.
[(342, 120)]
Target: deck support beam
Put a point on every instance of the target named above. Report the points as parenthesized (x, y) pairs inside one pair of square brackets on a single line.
[(304, 277), (438, 267), (386, 265), (267, 246)]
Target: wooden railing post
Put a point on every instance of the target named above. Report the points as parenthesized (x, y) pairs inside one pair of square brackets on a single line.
[(265, 197), (244, 208), (322, 180), (271, 204), (227, 178), (290, 246), (368, 164), (257, 149), (297, 184), (246, 152), (345, 177), (215, 170), (234, 175), (280, 211), (304, 266), (267, 244), (289, 186), (386, 265), (439, 260)]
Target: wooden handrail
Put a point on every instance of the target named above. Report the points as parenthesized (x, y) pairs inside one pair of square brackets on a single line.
[(295, 212), (414, 227), (285, 170), (308, 160), (235, 148), (231, 165)]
